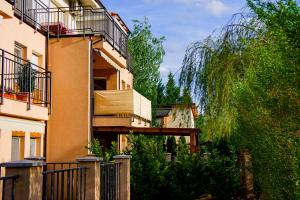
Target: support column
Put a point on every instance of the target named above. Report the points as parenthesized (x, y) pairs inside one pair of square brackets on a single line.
[(29, 185), (124, 161), (92, 176)]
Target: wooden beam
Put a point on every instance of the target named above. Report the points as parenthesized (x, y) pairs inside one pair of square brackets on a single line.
[(148, 131)]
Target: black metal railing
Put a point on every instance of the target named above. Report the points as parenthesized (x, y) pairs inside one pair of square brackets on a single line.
[(86, 20), (60, 165), (23, 80), (27, 10), (8, 187), (63, 184), (110, 181)]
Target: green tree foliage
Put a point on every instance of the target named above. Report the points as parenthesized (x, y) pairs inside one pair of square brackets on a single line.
[(187, 177), (160, 93), (172, 92), (147, 54), (247, 79)]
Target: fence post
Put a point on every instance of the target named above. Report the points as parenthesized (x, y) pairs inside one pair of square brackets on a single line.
[(124, 161), (29, 185), (92, 176)]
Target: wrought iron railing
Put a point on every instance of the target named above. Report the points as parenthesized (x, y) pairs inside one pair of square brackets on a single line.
[(83, 21), (8, 187), (63, 184), (23, 80), (110, 181), (27, 10)]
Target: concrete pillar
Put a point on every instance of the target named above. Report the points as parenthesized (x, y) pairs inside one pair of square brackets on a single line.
[(29, 185), (124, 161), (92, 176)]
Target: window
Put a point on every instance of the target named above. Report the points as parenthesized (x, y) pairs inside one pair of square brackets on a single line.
[(15, 148), (33, 145), (99, 84), (19, 55)]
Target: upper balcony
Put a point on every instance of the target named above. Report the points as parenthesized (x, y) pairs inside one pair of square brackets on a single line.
[(26, 11), (24, 88), (72, 20), (121, 108), (68, 21)]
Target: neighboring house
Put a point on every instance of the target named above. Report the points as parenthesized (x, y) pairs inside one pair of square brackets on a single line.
[(177, 116), (91, 86), (24, 82)]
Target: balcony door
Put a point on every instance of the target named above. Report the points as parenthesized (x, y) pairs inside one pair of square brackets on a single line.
[(100, 83)]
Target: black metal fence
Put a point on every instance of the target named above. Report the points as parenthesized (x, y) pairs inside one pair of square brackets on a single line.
[(110, 181), (86, 20), (23, 80), (26, 10), (63, 184), (8, 187)]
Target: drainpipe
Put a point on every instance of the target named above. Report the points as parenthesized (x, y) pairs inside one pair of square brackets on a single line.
[(49, 107), (91, 87)]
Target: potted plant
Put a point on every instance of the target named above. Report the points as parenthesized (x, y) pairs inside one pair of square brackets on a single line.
[(26, 81), (9, 94)]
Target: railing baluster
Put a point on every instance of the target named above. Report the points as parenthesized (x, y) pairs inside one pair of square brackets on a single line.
[(2, 76), (13, 189), (3, 189), (68, 184), (51, 187), (57, 185)]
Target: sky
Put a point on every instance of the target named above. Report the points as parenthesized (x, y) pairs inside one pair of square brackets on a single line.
[(181, 22)]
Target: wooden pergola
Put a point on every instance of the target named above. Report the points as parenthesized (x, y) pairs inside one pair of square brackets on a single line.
[(191, 132)]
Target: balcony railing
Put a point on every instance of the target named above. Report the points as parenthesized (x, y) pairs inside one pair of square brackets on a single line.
[(26, 10), (72, 21), (121, 102), (23, 80), (86, 20)]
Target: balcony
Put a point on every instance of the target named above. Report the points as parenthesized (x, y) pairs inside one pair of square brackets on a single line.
[(24, 86), (66, 21), (121, 107), (26, 11)]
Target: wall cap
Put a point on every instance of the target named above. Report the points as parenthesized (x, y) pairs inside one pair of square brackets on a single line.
[(23, 163), (122, 157), (36, 158), (89, 159)]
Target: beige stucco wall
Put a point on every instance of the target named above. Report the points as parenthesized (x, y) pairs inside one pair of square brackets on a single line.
[(69, 124), (113, 54), (180, 118), (13, 31), (19, 109), (8, 125)]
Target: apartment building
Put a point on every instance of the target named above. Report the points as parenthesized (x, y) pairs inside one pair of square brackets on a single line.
[(24, 81), (92, 85), (64, 73)]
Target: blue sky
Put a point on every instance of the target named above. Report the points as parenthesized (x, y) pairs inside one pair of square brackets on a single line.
[(180, 21)]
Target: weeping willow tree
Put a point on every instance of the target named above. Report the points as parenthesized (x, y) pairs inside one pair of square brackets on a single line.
[(247, 81)]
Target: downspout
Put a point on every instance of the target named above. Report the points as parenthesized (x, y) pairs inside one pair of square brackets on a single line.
[(47, 86), (91, 87)]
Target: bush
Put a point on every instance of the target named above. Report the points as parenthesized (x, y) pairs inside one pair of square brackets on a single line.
[(190, 175)]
